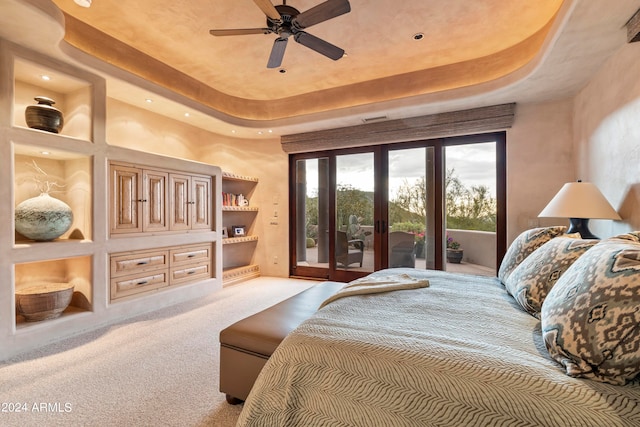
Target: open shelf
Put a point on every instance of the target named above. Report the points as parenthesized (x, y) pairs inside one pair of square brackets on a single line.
[(243, 239), (75, 271), (237, 274), (72, 96), (72, 175), (239, 210)]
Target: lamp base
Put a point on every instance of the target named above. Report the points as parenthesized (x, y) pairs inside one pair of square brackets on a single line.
[(581, 225)]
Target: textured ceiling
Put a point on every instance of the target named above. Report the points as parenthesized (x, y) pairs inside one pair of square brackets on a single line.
[(377, 36), (464, 43), (472, 54)]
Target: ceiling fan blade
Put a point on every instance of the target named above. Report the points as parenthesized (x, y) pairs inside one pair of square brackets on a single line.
[(322, 12), (268, 8), (277, 52), (319, 45), (239, 31)]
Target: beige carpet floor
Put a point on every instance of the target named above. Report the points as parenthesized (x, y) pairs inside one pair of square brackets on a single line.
[(159, 369)]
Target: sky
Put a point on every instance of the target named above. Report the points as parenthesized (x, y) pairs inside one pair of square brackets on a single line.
[(474, 164)]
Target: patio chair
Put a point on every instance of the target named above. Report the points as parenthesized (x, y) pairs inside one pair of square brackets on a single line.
[(348, 251), (402, 249)]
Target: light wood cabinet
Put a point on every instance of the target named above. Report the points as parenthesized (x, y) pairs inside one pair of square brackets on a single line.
[(138, 199), (191, 202), (190, 263), (138, 272), (149, 200), (135, 272)]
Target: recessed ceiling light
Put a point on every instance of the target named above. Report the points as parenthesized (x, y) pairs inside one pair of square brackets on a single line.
[(45, 77), (187, 114), (233, 131), (46, 153), (83, 3), (259, 132), (149, 100), (282, 70), (270, 131), (418, 36)]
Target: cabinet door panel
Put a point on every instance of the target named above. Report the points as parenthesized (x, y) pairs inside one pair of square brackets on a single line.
[(179, 189), (125, 193), (155, 204), (201, 202)]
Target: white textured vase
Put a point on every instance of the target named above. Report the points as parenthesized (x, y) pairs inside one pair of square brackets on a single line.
[(43, 218)]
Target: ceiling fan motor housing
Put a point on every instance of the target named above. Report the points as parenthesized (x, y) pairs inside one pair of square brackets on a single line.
[(285, 27)]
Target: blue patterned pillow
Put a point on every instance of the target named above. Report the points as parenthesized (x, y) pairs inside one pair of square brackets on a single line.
[(591, 317), (532, 280), (523, 245)]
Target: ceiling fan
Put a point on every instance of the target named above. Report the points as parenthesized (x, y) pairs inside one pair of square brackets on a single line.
[(286, 21)]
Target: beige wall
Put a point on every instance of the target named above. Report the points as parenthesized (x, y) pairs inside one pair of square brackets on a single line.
[(539, 161), (138, 129), (607, 137)]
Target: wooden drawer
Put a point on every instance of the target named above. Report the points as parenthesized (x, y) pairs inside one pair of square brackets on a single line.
[(138, 262), (191, 273), (137, 283), (187, 255)]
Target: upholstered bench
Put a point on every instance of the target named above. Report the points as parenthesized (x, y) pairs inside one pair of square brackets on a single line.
[(246, 345)]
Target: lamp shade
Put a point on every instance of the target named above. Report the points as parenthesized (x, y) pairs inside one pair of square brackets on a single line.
[(579, 200)]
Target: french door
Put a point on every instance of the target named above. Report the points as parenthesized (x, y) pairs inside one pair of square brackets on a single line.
[(355, 211)]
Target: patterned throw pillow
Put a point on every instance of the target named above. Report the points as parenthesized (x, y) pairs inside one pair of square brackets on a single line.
[(532, 280), (591, 317), (527, 242)]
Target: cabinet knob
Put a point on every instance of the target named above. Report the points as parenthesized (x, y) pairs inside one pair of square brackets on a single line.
[(142, 200)]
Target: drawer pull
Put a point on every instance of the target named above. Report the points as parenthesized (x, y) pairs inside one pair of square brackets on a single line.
[(144, 282), (191, 255), (143, 262), (191, 272)]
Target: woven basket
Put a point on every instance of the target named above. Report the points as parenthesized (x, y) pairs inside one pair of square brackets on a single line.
[(43, 302)]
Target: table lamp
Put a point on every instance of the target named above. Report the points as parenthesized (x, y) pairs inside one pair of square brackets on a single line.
[(579, 201)]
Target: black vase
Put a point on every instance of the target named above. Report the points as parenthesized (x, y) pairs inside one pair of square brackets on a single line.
[(44, 115)]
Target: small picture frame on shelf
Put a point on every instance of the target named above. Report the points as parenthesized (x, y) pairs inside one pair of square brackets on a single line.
[(238, 230), (225, 234)]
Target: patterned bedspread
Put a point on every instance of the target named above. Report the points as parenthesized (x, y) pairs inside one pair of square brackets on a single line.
[(456, 353)]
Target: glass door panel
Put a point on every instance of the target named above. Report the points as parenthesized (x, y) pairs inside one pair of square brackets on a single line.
[(411, 208), (471, 208), (354, 229), (312, 213)]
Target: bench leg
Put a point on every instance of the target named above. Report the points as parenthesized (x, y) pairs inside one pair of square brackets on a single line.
[(233, 400)]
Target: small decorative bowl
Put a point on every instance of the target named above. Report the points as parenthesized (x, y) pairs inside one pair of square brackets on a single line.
[(43, 302)]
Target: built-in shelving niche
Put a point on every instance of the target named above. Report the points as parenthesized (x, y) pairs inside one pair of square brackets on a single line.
[(73, 270), (72, 97), (72, 174)]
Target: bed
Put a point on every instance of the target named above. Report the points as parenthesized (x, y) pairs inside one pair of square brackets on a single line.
[(460, 351)]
